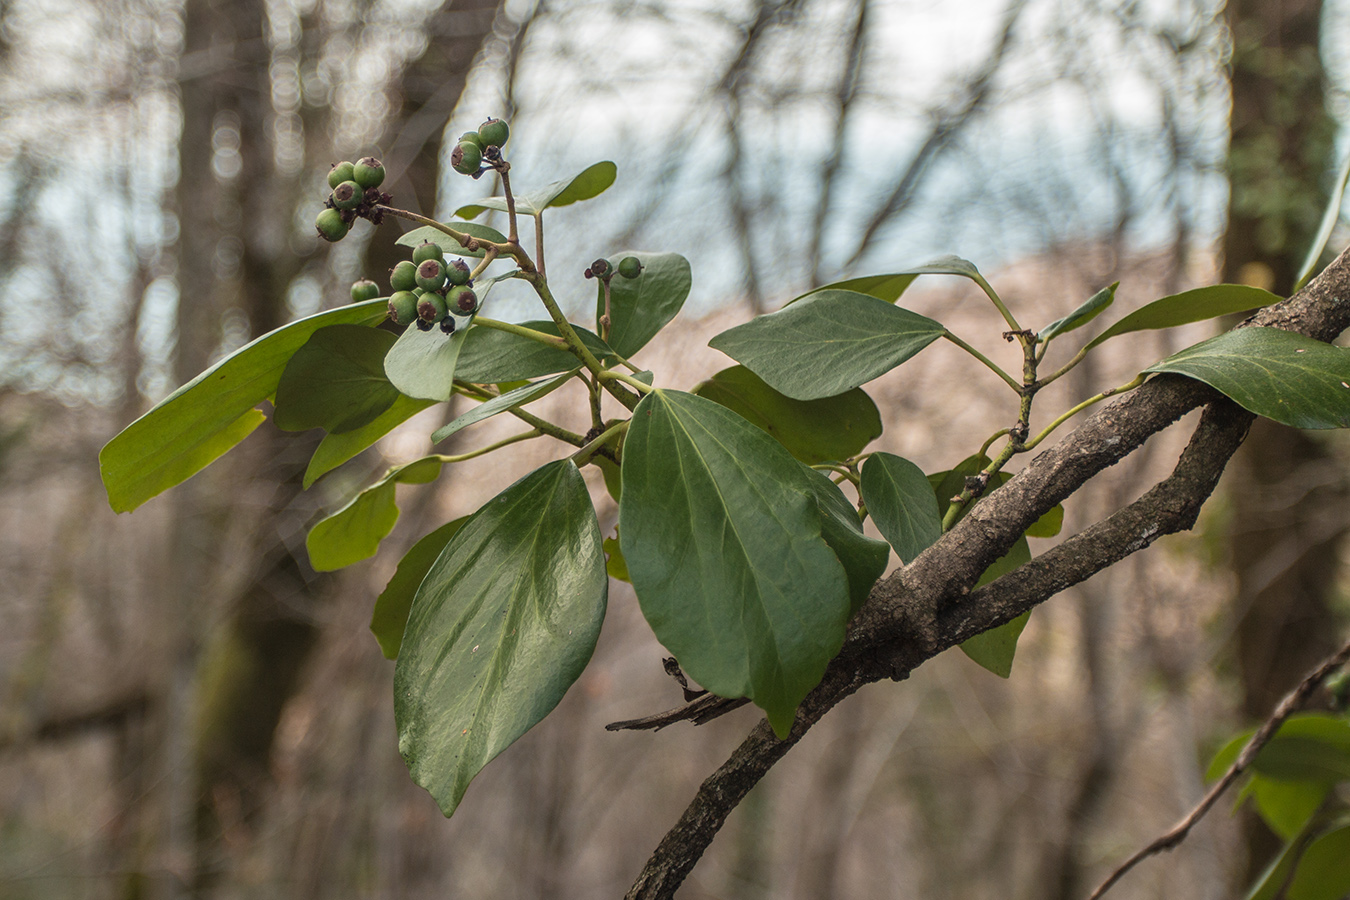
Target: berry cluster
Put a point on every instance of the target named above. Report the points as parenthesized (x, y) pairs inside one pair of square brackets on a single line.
[(628, 267), (477, 147), (356, 195), (429, 290)]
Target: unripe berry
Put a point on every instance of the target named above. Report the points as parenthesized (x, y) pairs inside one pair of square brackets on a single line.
[(427, 250), (404, 276), (457, 272), (630, 267), (474, 138), (431, 275), (464, 300), (363, 290), (330, 225), (368, 173), (431, 308), (602, 268), (466, 158), (494, 133), (343, 171), (347, 195), (403, 307), (448, 325)]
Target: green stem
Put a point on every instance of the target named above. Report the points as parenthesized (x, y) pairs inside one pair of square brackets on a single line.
[(544, 426), (998, 302), (984, 448), (1012, 382), (604, 320), (487, 259), (580, 350), (583, 456), (522, 331), (593, 387), (467, 241), (1064, 369), (641, 387), (513, 236), (539, 241), (504, 442), (1129, 386)]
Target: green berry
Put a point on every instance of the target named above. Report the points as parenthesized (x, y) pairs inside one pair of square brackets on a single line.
[(431, 308), (363, 290), (466, 158), (427, 250), (494, 132), (630, 267), (404, 276), (403, 307), (343, 171), (431, 275), (369, 172), (330, 225), (464, 301), (448, 325), (602, 268), (347, 195), (457, 272), (474, 138)]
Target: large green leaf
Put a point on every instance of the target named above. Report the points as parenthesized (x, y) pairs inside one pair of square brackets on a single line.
[(722, 537), (591, 182), (422, 364), (501, 626), (994, 649), (1309, 869), (490, 356), (395, 601), (336, 381), (354, 532), (501, 403), (1277, 374), (827, 344), (883, 287), (1088, 310), (902, 503), (1308, 746), (863, 558), (1189, 306), (450, 245), (814, 431), (193, 426), (336, 449), (640, 307), (1286, 806)]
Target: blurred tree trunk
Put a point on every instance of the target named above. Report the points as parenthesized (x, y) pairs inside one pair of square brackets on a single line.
[(1287, 495)]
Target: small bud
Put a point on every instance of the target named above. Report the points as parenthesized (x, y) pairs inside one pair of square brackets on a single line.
[(347, 195), (466, 158), (431, 308), (403, 307), (330, 225), (427, 250), (404, 276), (431, 275), (448, 325), (465, 301), (494, 133), (369, 172), (457, 272), (364, 290), (343, 171), (601, 268), (630, 267)]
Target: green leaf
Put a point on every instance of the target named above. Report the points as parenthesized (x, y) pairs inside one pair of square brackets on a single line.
[(640, 307), (723, 541), (827, 344), (450, 245), (501, 626), (883, 287), (1085, 313), (354, 532), (613, 476), (863, 558), (1277, 374), (1189, 306), (336, 449), (336, 381), (1287, 754), (948, 484), (188, 430), (1048, 525), (501, 403), (1287, 806), (422, 364), (591, 182), (1319, 869), (901, 503), (391, 607), (995, 649), (490, 356), (814, 431), (1330, 216), (615, 565)]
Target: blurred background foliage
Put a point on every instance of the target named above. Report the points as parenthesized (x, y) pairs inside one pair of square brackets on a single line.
[(188, 709)]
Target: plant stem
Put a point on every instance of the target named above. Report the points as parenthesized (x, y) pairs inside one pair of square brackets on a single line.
[(504, 442), (583, 456), (984, 448), (512, 236), (1064, 369), (609, 375), (604, 320), (998, 302), (467, 241), (556, 432), (1012, 382), (593, 387), (580, 350), (522, 331), (1129, 386), (539, 241), (487, 259)]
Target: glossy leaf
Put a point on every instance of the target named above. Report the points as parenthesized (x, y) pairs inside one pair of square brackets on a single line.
[(336, 381), (501, 403), (901, 503), (1088, 310), (423, 364), (188, 430), (640, 307), (827, 344), (450, 245), (864, 558), (723, 542), (336, 449), (354, 532), (591, 182), (1277, 374), (490, 356), (1189, 306), (503, 623), (814, 431), (392, 606), (995, 648)]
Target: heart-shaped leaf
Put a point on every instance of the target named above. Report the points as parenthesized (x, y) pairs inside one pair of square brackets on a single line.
[(901, 503), (503, 623), (392, 606), (814, 431), (1277, 374), (336, 449), (1189, 306), (354, 532), (1088, 310), (188, 430), (490, 356), (591, 182), (450, 245), (829, 343), (336, 381), (501, 403), (722, 537), (422, 364), (640, 307)]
